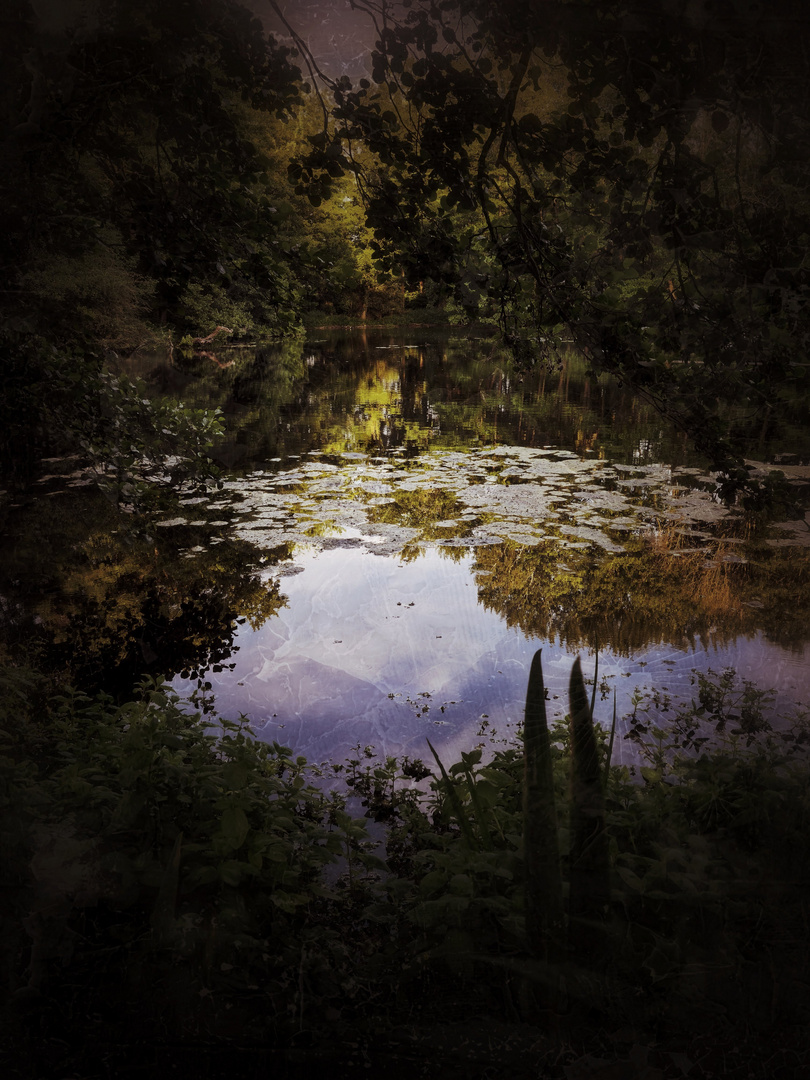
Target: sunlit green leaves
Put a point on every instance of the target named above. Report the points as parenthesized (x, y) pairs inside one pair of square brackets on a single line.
[(635, 158)]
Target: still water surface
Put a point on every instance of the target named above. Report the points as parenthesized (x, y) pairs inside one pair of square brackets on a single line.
[(432, 517)]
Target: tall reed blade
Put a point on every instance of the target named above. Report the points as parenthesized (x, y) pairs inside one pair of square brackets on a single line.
[(543, 903), (609, 751), (595, 677), (590, 865)]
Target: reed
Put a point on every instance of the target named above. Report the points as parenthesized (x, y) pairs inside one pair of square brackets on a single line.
[(543, 878), (589, 886), (557, 935)]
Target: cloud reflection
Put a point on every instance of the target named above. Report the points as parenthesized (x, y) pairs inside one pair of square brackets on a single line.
[(376, 651)]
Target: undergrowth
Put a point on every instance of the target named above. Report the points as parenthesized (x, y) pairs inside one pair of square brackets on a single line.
[(174, 884)]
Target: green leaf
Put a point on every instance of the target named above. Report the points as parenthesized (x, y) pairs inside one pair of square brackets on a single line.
[(234, 827), (630, 878), (289, 902), (460, 885), (233, 872), (432, 882), (461, 814)]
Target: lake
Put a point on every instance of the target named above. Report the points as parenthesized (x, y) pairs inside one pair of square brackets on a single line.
[(429, 517)]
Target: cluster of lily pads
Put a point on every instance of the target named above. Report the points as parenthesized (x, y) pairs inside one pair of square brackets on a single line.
[(461, 498)]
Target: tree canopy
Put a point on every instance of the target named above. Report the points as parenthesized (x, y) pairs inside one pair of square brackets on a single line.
[(145, 194), (626, 176), (127, 159), (629, 175)]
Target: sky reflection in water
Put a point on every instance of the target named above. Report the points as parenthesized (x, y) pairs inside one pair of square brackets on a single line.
[(359, 628), (398, 627)]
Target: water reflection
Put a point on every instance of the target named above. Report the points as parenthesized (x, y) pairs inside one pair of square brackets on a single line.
[(107, 604), (378, 391), (443, 515), (372, 650)]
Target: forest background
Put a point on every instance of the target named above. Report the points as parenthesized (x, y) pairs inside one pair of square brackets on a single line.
[(630, 179)]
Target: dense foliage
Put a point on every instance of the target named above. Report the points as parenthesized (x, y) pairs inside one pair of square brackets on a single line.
[(145, 201), (631, 175), (166, 891), (129, 174), (626, 176)]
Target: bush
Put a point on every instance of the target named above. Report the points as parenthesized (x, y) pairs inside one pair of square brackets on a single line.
[(177, 872), (163, 853)]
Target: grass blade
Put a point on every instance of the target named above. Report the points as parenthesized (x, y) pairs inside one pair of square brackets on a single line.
[(162, 919), (595, 678), (482, 817), (455, 802)]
